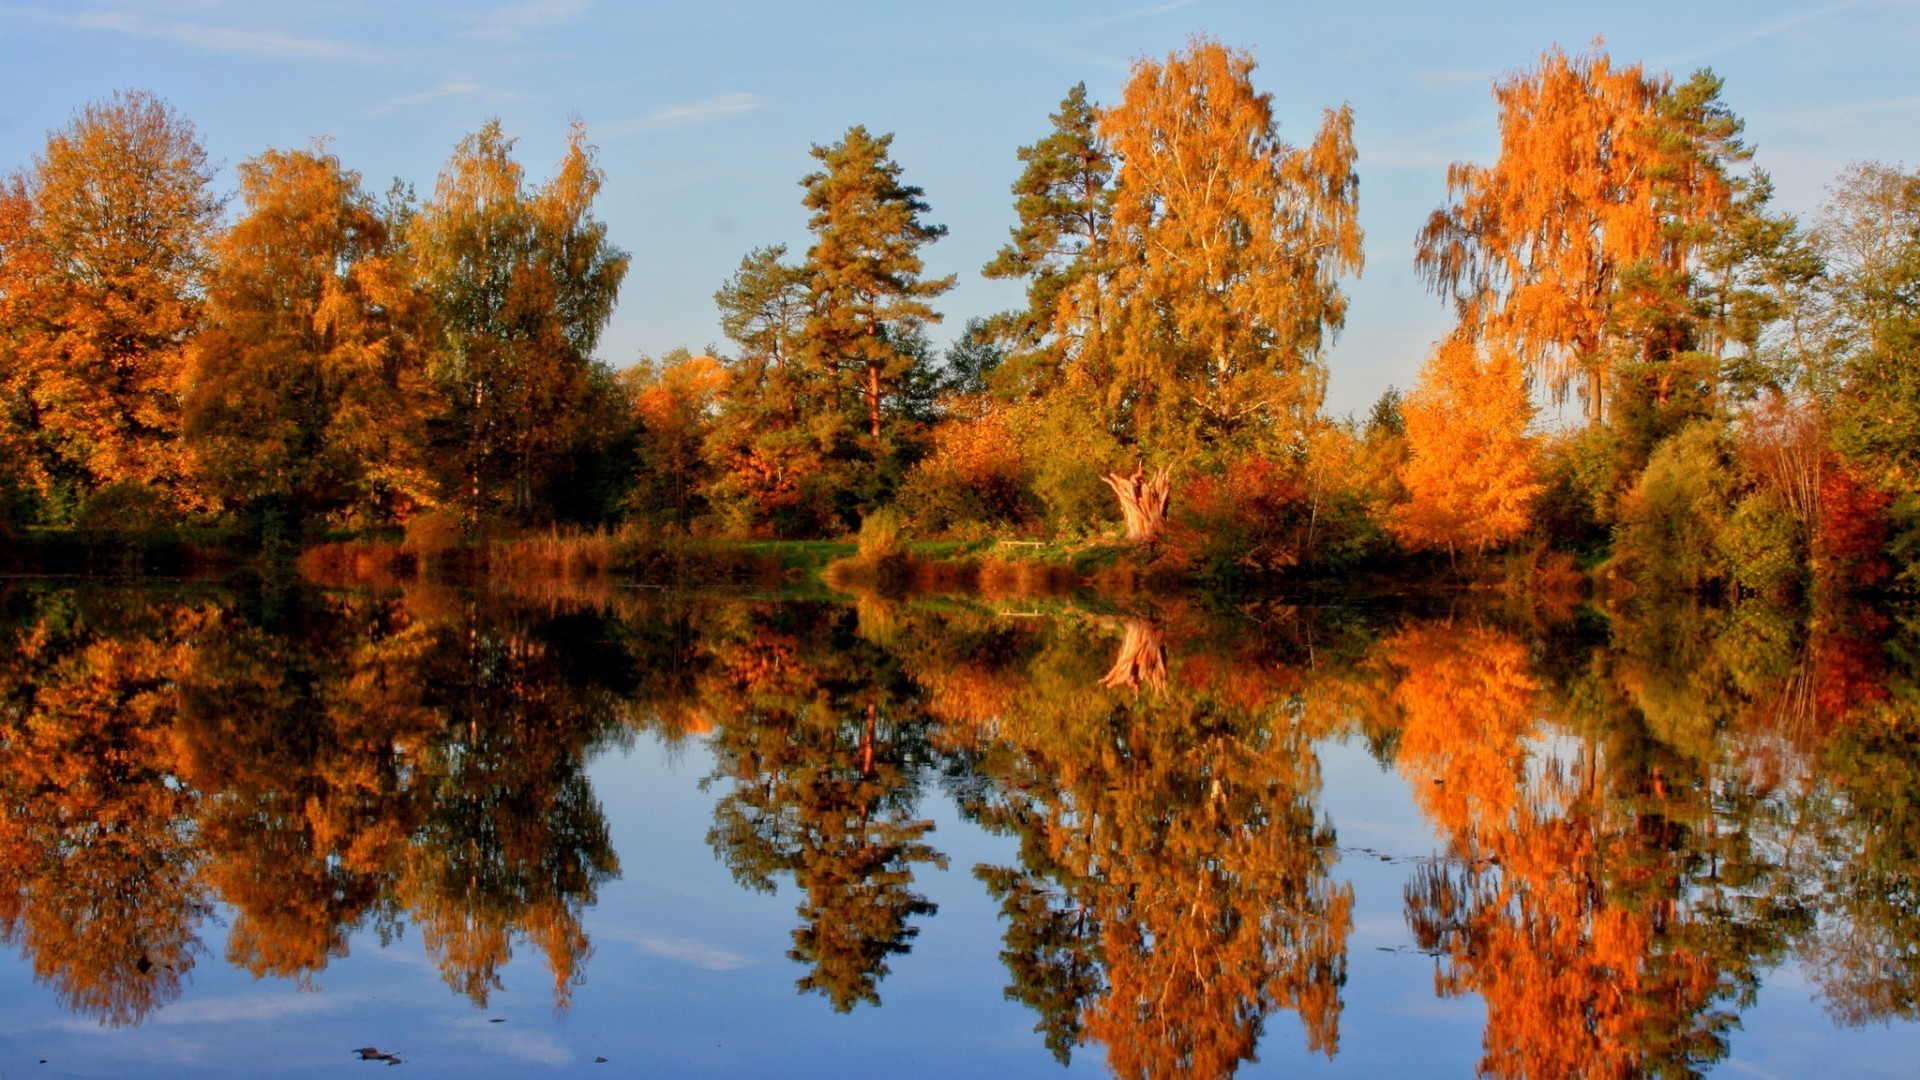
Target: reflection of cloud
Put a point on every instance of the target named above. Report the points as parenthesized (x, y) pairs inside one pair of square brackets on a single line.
[(687, 114), (522, 17), (685, 950), (230, 39), (456, 88), (527, 1046), (226, 1010), (1144, 13)]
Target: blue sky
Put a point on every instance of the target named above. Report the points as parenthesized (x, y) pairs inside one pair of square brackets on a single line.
[(704, 111)]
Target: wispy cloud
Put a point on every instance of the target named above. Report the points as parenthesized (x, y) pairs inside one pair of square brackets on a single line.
[(1756, 33), (1434, 148), (687, 114), (1143, 13), (213, 37), (1846, 114), (523, 17), (453, 88)]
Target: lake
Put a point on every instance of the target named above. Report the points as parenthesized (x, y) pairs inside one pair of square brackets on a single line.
[(274, 830)]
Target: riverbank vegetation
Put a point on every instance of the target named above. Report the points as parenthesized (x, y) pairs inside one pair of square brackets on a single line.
[(313, 359)]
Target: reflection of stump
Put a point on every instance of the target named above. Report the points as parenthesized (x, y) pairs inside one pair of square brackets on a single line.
[(1142, 660), (1143, 502)]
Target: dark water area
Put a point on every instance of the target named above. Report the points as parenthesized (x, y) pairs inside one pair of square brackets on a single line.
[(255, 832)]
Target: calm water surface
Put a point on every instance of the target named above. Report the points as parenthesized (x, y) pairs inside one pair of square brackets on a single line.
[(249, 832)]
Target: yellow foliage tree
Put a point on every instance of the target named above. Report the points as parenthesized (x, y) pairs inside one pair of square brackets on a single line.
[(1470, 472), (1225, 251), (309, 390)]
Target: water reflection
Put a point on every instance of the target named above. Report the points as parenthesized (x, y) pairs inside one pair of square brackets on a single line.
[(1639, 818)]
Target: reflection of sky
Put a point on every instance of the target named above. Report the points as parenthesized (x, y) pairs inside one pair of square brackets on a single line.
[(690, 977)]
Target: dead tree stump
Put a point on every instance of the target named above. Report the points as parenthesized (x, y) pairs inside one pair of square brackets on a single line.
[(1143, 503)]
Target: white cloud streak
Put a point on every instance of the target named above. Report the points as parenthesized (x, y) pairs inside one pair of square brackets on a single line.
[(455, 88), (687, 114), (1144, 13), (684, 950), (209, 36), (514, 20)]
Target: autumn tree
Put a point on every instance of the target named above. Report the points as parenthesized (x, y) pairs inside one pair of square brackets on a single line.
[(778, 419), (1469, 474), (308, 391), (103, 284), (867, 295), (1576, 249), (675, 401), (1223, 257), (523, 281), (1869, 236)]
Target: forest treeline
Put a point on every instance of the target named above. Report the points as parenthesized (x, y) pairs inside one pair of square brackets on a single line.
[(316, 357)]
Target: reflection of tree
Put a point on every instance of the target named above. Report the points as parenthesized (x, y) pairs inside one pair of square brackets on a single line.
[(1866, 954), (315, 763), (514, 842), (1173, 884), (97, 842), (821, 746), (1576, 899), (1143, 658)]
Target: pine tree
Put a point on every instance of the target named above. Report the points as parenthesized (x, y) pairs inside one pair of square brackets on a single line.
[(867, 292), (1063, 199)]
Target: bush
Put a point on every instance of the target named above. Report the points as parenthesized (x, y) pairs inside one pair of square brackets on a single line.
[(881, 534), (1761, 545), (1667, 536)]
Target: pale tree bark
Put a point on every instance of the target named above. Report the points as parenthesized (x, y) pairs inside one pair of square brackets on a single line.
[(1143, 502)]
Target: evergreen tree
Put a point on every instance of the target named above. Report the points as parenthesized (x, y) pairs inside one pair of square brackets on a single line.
[(865, 279)]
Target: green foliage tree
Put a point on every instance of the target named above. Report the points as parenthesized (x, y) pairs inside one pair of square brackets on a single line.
[(777, 423), (1869, 234), (1064, 202), (867, 295), (523, 281)]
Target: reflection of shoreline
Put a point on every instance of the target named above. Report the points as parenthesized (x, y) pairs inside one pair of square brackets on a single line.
[(1644, 820)]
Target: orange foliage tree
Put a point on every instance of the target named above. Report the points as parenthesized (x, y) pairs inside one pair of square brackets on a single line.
[(309, 391), (1470, 474), (1575, 248), (103, 288)]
